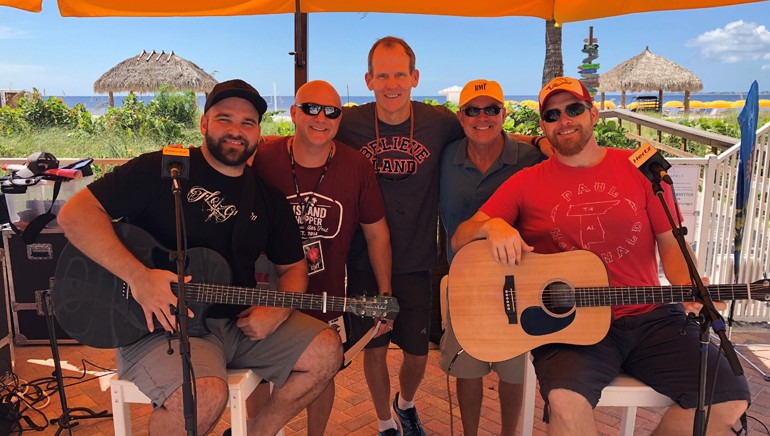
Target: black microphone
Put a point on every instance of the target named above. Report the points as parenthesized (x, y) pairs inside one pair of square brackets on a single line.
[(175, 163), (651, 163)]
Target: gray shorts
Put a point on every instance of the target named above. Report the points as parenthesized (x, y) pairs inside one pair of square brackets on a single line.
[(158, 374), (466, 366)]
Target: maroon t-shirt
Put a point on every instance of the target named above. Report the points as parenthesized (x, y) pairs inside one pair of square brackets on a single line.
[(348, 195)]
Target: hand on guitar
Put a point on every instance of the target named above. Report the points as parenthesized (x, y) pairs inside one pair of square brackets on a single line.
[(154, 294), (695, 307), (386, 326), (257, 322), (505, 242)]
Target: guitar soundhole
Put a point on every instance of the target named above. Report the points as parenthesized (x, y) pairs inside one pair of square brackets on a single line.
[(558, 298)]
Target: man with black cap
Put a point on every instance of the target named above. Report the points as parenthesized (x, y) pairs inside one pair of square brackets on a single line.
[(589, 197), (229, 210)]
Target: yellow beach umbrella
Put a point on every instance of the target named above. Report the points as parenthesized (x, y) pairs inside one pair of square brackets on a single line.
[(763, 102), (696, 104), (608, 104), (350, 104), (673, 103), (532, 104), (738, 104), (718, 104), (509, 104), (632, 105)]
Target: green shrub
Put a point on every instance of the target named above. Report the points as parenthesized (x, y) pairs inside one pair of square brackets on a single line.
[(610, 134), (12, 122), (522, 120), (178, 108)]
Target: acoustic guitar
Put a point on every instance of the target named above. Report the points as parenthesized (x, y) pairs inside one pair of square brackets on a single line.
[(97, 308), (499, 311)]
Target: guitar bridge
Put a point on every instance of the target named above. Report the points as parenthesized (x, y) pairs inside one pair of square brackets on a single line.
[(509, 300)]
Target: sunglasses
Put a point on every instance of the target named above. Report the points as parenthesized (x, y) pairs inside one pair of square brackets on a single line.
[(490, 111), (313, 109), (572, 111)]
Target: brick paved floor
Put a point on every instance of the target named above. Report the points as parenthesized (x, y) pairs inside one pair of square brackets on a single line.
[(353, 411)]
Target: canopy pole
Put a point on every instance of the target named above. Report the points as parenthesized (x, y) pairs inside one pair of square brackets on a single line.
[(300, 47), (112, 100), (660, 100)]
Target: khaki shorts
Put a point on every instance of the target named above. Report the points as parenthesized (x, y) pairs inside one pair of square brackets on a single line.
[(465, 366), (158, 374)]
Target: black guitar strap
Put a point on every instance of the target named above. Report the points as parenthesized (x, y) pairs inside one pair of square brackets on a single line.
[(242, 264), (33, 229)]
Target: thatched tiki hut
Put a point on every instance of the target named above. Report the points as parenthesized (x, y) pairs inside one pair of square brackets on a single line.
[(649, 72), (148, 71)]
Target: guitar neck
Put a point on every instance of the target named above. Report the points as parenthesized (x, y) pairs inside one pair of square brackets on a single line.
[(260, 296), (616, 296)]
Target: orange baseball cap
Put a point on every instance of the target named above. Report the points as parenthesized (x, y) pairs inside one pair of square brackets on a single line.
[(564, 84), (481, 87)]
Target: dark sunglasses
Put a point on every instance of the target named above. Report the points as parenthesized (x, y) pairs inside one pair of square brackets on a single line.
[(313, 109), (572, 111), (490, 111)]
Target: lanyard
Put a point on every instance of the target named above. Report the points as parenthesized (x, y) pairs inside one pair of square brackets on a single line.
[(310, 198)]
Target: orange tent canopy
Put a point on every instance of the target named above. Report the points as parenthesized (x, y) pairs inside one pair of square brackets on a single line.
[(563, 11)]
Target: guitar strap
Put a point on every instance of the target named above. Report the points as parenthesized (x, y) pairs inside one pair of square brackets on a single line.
[(243, 266), (33, 229)]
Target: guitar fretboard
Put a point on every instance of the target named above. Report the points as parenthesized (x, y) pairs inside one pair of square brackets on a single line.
[(260, 296), (615, 296)]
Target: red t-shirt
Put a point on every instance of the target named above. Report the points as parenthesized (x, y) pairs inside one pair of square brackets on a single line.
[(608, 209), (348, 195)]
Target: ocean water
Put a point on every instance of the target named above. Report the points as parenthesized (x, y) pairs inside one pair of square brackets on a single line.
[(98, 104)]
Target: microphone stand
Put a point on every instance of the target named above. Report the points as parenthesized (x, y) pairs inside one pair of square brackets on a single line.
[(190, 416), (709, 316)]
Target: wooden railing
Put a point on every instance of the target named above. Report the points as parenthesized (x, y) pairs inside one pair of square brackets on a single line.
[(717, 142)]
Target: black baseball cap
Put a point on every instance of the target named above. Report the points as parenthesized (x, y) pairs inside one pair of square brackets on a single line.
[(236, 88)]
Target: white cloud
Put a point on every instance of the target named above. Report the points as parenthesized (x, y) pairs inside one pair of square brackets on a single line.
[(11, 33), (736, 42), (766, 67)]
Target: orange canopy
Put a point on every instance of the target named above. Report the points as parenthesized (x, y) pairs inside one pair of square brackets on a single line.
[(563, 11)]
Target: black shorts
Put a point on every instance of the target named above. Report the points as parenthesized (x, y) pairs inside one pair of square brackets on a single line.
[(411, 331), (649, 347)]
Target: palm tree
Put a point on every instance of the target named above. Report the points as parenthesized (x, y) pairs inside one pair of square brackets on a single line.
[(554, 65)]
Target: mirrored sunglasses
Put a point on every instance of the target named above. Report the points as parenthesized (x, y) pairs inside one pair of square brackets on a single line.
[(313, 109), (490, 111), (572, 111)]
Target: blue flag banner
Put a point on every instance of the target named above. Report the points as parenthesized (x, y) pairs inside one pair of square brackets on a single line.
[(748, 122)]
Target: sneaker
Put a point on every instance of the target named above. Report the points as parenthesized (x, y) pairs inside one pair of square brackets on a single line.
[(389, 432), (410, 422)]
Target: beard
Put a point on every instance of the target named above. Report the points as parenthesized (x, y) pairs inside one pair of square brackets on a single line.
[(231, 157), (573, 145)]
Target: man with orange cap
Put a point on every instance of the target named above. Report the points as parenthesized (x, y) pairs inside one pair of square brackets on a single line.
[(589, 197)]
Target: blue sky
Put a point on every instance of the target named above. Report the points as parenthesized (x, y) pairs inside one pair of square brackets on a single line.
[(727, 47)]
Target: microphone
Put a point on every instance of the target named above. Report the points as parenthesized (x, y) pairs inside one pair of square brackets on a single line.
[(175, 163), (651, 163)]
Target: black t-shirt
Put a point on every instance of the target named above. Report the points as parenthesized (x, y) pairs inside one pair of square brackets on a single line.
[(411, 205), (211, 204)]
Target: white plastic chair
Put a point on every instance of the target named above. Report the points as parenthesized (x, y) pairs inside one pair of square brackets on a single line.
[(629, 393), (240, 382)]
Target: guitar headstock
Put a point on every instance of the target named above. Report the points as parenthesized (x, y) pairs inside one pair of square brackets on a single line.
[(373, 306), (760, 290)]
